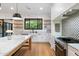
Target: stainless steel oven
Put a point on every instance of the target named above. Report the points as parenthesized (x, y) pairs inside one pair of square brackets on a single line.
[(59, 49), (61, 45)]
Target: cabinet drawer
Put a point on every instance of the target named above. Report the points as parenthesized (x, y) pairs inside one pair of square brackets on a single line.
[(72, 51)]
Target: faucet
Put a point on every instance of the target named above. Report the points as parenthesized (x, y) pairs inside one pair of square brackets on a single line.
[(33, 31)]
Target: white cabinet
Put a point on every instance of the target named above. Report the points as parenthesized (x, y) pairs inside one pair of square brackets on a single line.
[(40, 37), (72, 51)]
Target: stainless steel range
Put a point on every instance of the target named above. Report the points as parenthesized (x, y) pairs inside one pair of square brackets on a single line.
[(61, 45)]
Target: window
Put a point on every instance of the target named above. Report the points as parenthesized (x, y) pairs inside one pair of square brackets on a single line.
[(33, 23)]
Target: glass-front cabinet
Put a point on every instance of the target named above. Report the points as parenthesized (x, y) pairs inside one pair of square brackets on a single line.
[(7, 26), (1, 27), (4, 26)]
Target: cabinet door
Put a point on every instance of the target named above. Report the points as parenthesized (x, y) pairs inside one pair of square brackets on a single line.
[(72, 51), (60, 51)]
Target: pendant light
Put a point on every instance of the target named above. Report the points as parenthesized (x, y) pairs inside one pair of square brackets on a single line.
[(0, 6), (17, 14)]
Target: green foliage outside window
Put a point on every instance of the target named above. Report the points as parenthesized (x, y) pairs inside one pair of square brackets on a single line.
[(33, 24)]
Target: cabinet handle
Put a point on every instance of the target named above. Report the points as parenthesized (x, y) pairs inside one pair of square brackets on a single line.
[(76, 54), (59, 48)]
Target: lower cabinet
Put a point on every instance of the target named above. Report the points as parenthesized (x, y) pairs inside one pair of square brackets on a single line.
[(40, 37), (72, 51)]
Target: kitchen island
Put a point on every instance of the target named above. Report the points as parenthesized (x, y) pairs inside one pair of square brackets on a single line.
[(9, 47)]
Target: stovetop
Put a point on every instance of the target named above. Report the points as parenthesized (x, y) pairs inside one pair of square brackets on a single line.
[(68, 39)]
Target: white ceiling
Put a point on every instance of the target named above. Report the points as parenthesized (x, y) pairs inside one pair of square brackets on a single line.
[(26, 8)]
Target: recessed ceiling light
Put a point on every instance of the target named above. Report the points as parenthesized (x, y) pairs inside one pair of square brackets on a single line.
[(12, 8), (65, 13), (0, 8), (41, 8), (70, 10)]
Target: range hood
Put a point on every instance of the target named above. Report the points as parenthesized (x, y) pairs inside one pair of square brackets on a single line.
[(72, 12)]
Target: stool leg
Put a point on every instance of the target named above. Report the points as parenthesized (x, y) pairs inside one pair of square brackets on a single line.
[(30, 43)]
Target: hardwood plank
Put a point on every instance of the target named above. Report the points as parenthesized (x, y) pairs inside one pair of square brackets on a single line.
[(38, 49)]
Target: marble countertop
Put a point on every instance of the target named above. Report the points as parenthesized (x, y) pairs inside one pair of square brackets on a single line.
[(74, 45), (7, 46)]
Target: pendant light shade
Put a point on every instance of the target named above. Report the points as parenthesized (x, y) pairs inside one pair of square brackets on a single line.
[(17, 15)]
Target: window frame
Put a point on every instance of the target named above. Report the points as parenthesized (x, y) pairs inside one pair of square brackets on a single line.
[(29, 19)]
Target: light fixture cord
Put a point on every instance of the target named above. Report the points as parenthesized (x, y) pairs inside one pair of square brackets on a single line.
[(0, 4), (16, 8)]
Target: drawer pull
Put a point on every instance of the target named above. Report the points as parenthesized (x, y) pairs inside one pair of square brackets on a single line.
[(76, 54), (59, 48)]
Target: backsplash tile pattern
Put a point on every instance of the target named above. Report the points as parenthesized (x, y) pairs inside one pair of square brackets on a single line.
[(70, 26)]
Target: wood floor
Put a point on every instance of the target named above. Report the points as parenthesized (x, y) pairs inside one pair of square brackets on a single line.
[(38, 49)]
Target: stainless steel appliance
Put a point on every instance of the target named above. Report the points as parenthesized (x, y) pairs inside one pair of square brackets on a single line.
[(61, 45), (60, 50)]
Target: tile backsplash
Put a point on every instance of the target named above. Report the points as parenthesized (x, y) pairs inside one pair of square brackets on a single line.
[(70, 26)]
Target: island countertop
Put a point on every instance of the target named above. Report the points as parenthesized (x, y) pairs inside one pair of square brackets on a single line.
[(8, 47)]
